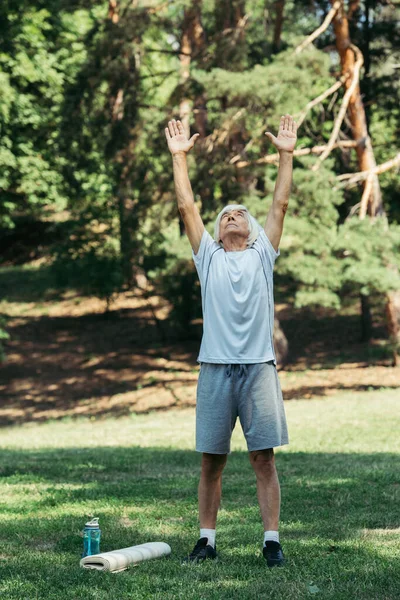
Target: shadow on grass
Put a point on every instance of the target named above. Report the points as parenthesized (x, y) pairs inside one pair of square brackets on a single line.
[(61, 361), (74, 365), (313, 484), (21, 284), (325, 339), (149, 494)]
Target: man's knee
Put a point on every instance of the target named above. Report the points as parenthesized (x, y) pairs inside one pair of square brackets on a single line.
[(263, 462), (212, 465)]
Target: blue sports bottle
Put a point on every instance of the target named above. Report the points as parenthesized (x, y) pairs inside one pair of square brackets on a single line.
[(91, 538)]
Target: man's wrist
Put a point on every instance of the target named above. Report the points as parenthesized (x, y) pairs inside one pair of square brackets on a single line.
[(285, 152), (179, 156)]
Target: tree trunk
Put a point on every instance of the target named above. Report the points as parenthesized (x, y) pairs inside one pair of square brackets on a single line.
[(392, 317), (127, 231), (192, 40), (365, 153), (229, 23), (113, 11), (279, 6), (121, 150), (366, 83), (281, 345), (192, 43), (366, 319)]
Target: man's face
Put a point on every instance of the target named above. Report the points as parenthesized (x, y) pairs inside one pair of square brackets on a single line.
[(233, 223)]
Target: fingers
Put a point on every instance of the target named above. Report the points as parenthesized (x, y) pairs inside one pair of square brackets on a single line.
[(287, 123), (271, 137), (175, 128), (167, 134), (194, 138), (291, 124)]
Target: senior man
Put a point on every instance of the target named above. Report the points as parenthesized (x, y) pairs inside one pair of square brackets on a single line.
[(238, 376)]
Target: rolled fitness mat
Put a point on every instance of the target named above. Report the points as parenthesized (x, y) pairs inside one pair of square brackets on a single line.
[(119, 560)]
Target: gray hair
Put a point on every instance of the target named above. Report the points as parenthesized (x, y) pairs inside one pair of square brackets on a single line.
[(254, 226)]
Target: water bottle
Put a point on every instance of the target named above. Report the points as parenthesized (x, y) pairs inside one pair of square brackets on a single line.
[(91, 538)]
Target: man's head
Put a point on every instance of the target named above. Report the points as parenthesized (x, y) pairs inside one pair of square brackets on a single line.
[(235, 220)]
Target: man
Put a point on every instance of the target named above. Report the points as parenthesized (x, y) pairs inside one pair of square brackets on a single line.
[(238, 374)]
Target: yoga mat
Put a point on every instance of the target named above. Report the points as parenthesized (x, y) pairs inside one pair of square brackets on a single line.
[(119, 560)]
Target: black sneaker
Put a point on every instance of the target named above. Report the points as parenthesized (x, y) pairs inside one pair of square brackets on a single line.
[(201, 551), (273, 554)]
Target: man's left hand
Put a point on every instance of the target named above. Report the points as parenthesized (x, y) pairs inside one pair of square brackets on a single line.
[(286, 140)]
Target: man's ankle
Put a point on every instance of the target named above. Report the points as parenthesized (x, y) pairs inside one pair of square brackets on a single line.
[(271, 536), (209, 534)]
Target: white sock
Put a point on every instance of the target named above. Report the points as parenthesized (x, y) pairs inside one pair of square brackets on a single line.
[(210, 535), (271, 536)]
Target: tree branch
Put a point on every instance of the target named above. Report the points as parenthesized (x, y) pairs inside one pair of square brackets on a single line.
[(176, 52), (155, 9), (219, 135), (302, 115), (366, 195), (274, 158), (161, 73), (343, 108), (329, 17), (353, 178)]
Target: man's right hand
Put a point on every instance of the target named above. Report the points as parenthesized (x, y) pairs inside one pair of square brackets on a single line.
[(177, 139)]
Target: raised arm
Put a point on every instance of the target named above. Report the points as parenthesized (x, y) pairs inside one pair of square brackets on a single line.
[(179, 145), (284, 143)]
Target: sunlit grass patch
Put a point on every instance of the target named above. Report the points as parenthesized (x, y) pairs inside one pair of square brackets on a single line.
[(339, 516)]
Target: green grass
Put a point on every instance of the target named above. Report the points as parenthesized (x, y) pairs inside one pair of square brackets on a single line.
[(339, 519), (27, 283)]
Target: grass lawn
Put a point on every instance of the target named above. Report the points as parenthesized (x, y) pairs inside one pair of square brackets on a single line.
[(340, 517)]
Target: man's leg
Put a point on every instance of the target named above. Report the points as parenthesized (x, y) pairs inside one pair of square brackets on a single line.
[(269, 499), (268, 489), (210, 488)]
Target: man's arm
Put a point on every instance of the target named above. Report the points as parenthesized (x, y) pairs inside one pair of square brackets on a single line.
[(284, 143), (179, 146)]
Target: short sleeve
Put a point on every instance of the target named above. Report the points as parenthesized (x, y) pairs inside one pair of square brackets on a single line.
[(268, 252), (202, 259)]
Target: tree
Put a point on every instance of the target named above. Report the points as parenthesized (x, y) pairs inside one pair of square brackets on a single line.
[(86, 92), (32, 75)]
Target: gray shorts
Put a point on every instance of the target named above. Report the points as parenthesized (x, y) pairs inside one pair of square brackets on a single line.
[(251, 392)]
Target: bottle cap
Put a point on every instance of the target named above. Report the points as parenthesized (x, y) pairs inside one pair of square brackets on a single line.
[(93, 523)]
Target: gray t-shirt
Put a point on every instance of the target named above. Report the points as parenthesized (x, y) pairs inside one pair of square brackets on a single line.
[(237, 300)]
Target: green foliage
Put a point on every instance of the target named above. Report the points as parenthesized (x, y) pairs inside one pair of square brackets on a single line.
[(263, 89), (174, 277), (95, 273), (370, 255), (88, 260), (31, 77), (179, 283), (308, 246), (83, 106)]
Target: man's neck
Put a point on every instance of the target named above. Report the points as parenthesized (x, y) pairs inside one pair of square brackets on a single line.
[(233, 245)]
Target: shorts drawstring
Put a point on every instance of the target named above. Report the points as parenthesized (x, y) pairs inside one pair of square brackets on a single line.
[(242, 370)]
